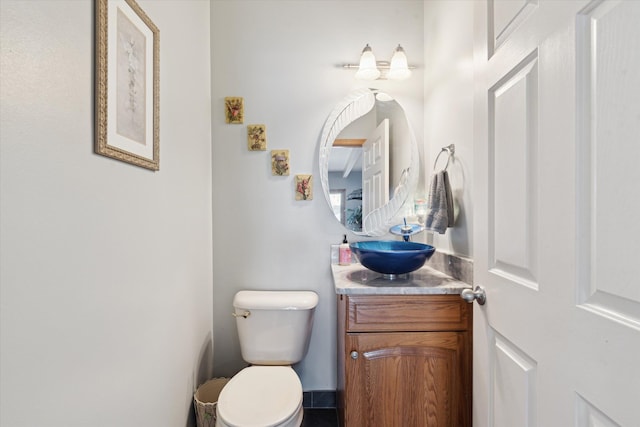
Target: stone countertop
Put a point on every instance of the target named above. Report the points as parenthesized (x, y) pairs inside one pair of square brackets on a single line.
[(356, 279)]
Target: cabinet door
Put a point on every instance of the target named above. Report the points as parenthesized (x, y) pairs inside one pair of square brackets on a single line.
[(416, 379)]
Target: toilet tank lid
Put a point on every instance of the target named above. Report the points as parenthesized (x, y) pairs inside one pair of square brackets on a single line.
[(278, 300)]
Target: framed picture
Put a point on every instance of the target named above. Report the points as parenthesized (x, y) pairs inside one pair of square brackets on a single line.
[(127, 84), (234, 110), (304, 187), (257, 137), (280, 162)]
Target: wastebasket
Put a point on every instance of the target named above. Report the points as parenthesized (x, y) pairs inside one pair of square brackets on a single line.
[(205, 400)]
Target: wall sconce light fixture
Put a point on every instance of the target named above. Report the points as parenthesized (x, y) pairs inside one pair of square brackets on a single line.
[(370, 69)]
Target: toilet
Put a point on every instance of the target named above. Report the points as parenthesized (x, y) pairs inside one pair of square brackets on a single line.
[(274, 328)]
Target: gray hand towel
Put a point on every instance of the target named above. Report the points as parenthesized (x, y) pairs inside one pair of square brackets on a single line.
[(439, 203)]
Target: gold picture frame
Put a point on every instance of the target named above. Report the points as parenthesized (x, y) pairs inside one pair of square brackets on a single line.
[(304, 187), (280, 162), (257, 137), (234, 110), (127, 84)]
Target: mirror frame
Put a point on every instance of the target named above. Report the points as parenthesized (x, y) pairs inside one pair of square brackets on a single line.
[(355, 105)]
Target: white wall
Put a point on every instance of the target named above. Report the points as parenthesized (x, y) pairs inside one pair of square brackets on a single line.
[(105, 267), (284, 58), (448, 110)]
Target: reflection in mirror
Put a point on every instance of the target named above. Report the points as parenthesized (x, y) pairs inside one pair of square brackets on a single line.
[(368, 161), (337, 204)]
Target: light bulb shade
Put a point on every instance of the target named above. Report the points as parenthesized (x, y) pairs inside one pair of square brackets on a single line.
[(368, 69), (399, 68)]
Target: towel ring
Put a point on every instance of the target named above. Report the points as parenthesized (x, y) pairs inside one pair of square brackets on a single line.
[(450, 149)]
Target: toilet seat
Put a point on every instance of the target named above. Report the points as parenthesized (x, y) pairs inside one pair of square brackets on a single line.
[(261, 396)]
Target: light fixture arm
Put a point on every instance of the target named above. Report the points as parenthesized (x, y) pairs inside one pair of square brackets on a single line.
[(383, 65)]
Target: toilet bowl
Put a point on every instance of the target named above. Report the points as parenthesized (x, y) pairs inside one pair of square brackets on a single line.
[(274, 329), (261, 396)]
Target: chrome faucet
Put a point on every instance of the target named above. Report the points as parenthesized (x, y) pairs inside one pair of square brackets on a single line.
[(406, 230)]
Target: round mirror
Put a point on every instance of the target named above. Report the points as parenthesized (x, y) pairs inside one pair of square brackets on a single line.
[(368, 161)]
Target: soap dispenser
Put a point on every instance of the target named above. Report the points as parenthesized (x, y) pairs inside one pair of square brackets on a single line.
[(344, 252)]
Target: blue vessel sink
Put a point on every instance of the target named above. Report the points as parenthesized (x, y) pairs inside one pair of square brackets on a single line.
[(392, 257)]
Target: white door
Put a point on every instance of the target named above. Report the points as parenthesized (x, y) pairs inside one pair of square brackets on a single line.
[(375, 169), (557, 211)]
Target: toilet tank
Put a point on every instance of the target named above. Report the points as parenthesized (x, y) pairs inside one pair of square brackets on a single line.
[(274, 327)]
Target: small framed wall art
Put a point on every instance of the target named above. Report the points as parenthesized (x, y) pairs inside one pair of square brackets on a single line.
[(304, 187), (234, 110), (257, 137), (127, 84), (280, 162)]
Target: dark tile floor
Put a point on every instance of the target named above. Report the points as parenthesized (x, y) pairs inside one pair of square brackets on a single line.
[(320, 417)]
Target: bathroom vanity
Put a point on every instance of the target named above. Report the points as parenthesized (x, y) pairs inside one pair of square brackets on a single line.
[(404, 349)]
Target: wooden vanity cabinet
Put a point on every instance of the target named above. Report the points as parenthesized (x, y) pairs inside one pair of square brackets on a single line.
[(404, 361)]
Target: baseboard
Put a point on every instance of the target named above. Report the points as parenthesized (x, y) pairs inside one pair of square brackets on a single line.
[(319, 399)]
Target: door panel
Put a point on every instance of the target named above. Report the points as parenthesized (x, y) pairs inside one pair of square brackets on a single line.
[(556, 233), (375, 169), (608, 284), (512, 115), (513, 385), (504, 17), (610, 150)]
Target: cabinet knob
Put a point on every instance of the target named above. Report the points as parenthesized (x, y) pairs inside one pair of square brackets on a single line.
[(354, 355)]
